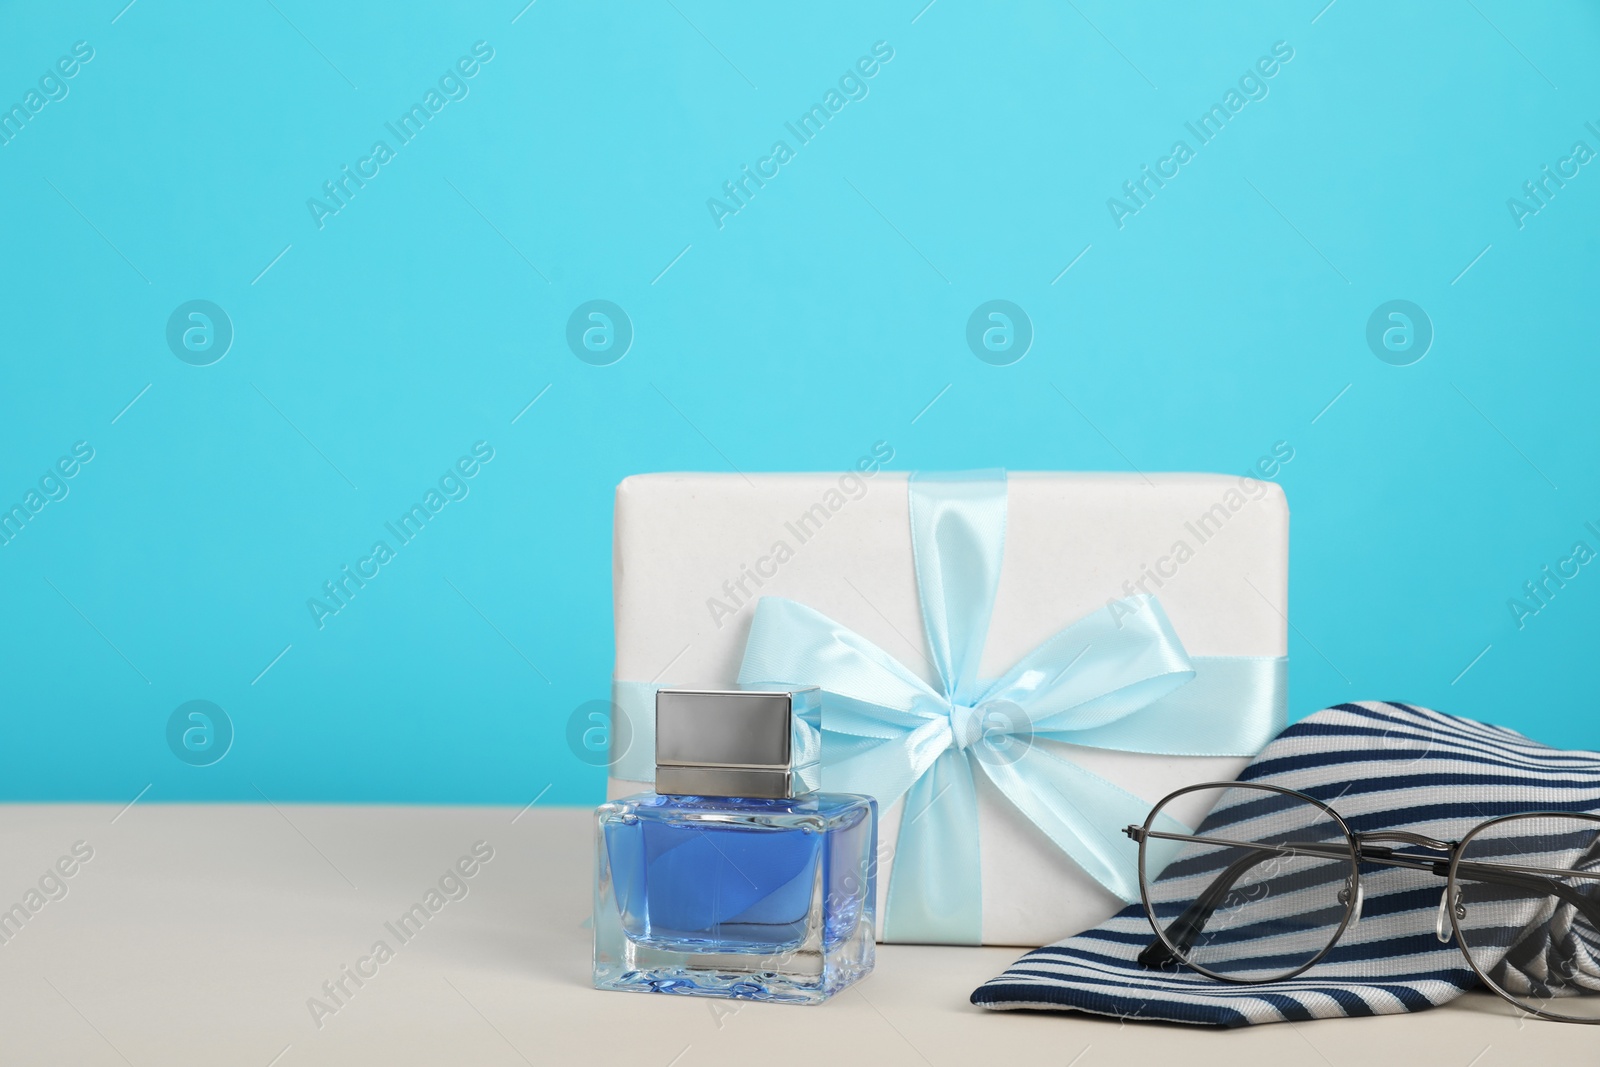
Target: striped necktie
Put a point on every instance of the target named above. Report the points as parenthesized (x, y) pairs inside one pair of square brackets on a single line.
[(1382, 766)]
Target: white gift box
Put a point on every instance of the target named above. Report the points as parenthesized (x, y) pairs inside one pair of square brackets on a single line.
[(693, 553)]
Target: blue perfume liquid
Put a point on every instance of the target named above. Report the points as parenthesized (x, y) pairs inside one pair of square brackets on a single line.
[(762, 899)]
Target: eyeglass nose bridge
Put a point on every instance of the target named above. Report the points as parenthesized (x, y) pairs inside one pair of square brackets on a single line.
[(1441, 924), (1406, 837)]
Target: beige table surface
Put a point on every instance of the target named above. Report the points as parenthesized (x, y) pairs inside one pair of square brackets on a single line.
[(197, 933)]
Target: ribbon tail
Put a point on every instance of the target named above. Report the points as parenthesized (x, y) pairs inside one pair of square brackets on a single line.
[(1083, 814), (935, 886)]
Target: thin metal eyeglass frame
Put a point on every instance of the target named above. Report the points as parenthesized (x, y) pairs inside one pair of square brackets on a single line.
[(1358, 849)]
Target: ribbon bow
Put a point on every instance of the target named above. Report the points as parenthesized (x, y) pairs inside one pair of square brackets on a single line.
[(1110, 680)]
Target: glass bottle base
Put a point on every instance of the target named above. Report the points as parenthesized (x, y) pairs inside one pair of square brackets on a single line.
[(702, 981), (808, 975)]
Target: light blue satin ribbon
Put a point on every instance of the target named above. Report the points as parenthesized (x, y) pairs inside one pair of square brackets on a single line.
[(1118, 678)]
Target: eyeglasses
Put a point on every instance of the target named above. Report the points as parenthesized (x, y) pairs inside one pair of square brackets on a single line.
[(1271, 880)]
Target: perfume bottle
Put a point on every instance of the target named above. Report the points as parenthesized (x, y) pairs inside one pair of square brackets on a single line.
[(736, 878)]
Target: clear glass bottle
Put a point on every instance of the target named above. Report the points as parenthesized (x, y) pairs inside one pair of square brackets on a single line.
[(736, 878)]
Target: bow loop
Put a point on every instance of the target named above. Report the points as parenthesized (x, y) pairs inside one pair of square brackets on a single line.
[(1104, 667), (958, 529), (790, 642)]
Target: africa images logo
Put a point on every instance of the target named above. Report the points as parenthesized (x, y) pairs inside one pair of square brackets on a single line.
[(1537, 192), (52, 487), (53, 88), (338, 592), (451, 86), (852, 85), (1252, 86)]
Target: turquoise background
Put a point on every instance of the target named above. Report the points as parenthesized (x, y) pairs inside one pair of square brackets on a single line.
[(372, 352)]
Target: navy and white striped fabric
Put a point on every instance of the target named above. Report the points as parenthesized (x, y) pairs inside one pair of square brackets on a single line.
[(1382, 766)]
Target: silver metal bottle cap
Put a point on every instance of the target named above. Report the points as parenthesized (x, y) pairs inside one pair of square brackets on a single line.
[(759, 742)]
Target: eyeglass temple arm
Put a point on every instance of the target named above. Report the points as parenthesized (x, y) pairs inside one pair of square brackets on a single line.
[(1499, 874), (1189, 924)]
